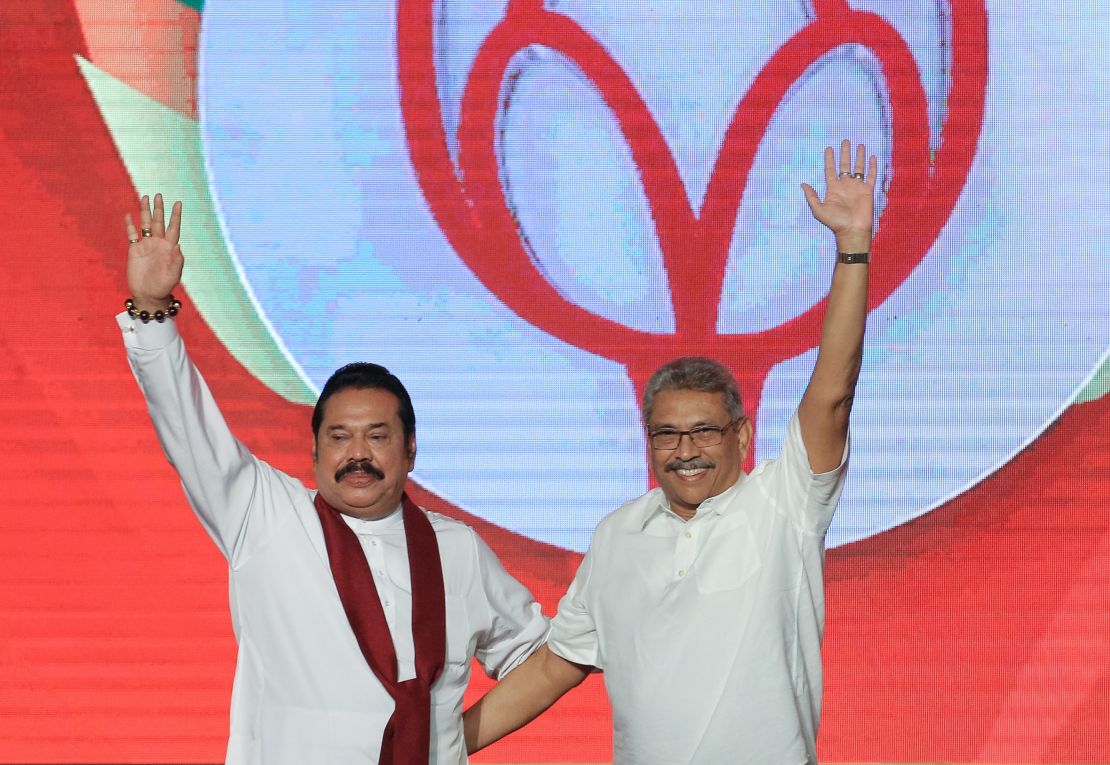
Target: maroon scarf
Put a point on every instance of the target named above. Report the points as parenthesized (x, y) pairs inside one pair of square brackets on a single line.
[(408, 733)]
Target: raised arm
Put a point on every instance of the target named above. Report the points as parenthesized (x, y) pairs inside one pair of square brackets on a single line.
[(219, 475), (520, 697), (848, 210)]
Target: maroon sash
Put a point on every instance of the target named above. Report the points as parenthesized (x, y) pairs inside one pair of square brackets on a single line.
[(408, 733)]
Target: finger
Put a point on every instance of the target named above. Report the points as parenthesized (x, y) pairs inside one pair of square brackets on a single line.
[(812, 199), (159, 221), (144, 214), (132, 234), (830, 167), (872, 170), (861, 159), (173, 231), (845, 157)]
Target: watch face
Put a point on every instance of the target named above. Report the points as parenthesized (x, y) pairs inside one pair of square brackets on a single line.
[(521, 218)]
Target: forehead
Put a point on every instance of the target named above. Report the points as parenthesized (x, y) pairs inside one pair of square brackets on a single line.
[(353, 405), (683, 408)]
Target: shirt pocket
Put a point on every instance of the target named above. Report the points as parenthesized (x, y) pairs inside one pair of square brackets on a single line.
[(729, 560)]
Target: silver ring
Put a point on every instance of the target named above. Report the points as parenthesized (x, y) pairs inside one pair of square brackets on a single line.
[(858, 176), (133, 241), (148, 232)]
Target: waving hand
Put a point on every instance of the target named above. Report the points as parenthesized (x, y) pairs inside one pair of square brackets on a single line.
[(848, 209), (154, 258)]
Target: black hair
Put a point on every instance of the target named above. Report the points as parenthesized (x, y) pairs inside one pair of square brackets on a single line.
[(362, 375)]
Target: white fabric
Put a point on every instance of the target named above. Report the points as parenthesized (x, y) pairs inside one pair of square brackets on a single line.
[(709, 631), (303, 692)]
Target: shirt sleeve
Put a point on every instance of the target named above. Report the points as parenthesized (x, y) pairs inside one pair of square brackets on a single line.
[(809, 499), (220, 477), (516, 626), (573, 630)]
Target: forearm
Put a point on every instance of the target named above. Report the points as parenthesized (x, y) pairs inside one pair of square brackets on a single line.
[(217, 472), (841, 350), (827, 403), (520, 697)]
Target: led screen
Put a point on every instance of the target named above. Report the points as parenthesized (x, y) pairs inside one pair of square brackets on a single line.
[(523, 208)]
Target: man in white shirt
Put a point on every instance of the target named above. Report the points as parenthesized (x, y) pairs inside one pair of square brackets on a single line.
[(357, 614), (703, 600)]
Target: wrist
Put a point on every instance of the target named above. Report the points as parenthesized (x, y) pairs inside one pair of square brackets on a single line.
[(151, 304), (853, 241), (157, 309)]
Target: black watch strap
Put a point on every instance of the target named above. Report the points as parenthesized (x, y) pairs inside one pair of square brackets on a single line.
[(853, 257)]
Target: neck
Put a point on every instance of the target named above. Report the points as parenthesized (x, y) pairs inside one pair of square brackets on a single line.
[(684, 513), (378, 511), (366, 514)]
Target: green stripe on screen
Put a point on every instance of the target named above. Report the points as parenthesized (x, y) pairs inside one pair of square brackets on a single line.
[(1099, 385), (162, 152)]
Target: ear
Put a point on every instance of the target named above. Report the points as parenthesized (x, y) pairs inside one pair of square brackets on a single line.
[(412, 451), (315, 456), (744, 432)]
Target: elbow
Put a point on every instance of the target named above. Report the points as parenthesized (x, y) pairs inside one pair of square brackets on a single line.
[(843, 405), (836, 399)]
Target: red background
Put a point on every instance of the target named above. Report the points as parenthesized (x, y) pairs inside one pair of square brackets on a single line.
[(979, 633)]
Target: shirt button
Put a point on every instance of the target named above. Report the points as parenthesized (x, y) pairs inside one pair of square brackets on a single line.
[(682, 572), (374, 542), (688, 535)]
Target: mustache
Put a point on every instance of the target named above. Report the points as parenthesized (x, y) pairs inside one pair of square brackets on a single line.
[(691, 464), (360, 466)]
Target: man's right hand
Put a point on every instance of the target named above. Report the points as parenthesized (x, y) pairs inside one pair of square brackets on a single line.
[(520, 697), (154, 258)]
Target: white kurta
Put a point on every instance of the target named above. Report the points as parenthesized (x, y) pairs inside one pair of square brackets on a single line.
[(303, 692), (709, 631)]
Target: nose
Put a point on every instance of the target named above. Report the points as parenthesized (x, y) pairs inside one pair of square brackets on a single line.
[(686, 448), (359, 451)]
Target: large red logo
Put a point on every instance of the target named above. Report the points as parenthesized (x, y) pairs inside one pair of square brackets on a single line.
[(471, 207)]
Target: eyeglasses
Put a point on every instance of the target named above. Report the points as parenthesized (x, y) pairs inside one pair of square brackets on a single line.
[(703, 435)]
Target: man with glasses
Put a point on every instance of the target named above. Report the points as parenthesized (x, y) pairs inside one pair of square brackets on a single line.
[(703, 600)]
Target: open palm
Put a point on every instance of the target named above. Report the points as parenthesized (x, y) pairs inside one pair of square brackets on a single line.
[(849, 204), (154, 259)]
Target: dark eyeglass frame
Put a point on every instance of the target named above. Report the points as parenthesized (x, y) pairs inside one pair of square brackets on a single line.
[(701, 436)]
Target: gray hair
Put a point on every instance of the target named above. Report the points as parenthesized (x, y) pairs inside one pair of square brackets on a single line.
[(694, 373)]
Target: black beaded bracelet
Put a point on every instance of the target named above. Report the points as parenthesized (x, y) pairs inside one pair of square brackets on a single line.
[(159, 315)]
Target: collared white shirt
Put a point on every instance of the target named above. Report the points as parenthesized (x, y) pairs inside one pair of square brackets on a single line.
[(709, 631), (384, 543), (303, 692)]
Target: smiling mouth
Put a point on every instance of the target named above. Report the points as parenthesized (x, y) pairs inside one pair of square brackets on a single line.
[(690, 469)]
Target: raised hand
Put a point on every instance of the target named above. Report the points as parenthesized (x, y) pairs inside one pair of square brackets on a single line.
[(848, 209), (154, 259)]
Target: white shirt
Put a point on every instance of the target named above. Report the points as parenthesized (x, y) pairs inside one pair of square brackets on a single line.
[(709, 631), (384, 544), (303, 692)]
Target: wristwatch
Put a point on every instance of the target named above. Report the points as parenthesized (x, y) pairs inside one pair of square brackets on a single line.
[(853, 257)]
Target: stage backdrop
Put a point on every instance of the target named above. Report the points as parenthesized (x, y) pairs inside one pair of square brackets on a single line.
[(521, 208)]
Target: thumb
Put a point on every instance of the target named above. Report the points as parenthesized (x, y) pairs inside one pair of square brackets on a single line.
[(812, 199)]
